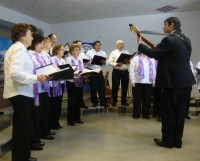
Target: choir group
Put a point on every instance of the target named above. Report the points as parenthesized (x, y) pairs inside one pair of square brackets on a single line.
[(37, 100)]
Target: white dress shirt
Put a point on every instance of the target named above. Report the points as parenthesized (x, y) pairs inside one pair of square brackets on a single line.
[(18, 68), (82, 54), (133, 71), (90, 55), (198, 75), (76, 63), (114, 55)]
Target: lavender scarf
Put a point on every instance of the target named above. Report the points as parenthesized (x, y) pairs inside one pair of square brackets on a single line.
[(78, 82), (42, 62), (141, 68)]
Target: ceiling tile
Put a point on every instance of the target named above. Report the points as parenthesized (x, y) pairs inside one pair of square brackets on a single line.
[(60, 11)]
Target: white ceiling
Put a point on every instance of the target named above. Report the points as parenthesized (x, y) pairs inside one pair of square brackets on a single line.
[(60, 11)]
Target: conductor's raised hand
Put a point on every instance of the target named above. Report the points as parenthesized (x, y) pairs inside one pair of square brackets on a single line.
[(139, 40), (42, 77)]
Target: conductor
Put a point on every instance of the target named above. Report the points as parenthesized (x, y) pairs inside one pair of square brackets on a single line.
[(175, 77)]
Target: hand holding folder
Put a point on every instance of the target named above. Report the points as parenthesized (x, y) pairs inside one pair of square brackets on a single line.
[(98, 60), (124, 58), (86, 60), (87, 73)]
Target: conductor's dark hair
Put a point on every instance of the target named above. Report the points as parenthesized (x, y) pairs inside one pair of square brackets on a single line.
[(96, 42), (51, 35), (18, 31), (37, 39), (175, 21)]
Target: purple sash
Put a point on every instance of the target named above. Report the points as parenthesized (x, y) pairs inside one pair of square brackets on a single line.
[(141, 68), (78, 82), (57, 88), (42, 62)]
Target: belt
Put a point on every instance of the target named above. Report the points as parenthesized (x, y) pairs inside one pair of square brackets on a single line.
[(121, 70)]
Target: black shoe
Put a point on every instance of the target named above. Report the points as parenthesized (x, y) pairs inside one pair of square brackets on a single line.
[(55, 128), (52, 133), (187, 117), (146, 117), (42, 143), (48, 137), (84, 106), (114, 104), (36, 147), (106, 105), (71, 123), (160, 142), (135, 117), (79, 121), (179, 146), (32, 159), (60, 127), (94, 105), (159, 119), (125, 104)]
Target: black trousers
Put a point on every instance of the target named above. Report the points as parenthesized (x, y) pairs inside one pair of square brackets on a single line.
[(173, 114), (82, 103), (55, 109), (188, 106), (142, 99), (35, 128), (21, 134), (157, 101), (44, 113), (97, 85), (118, 75), (74, 97)]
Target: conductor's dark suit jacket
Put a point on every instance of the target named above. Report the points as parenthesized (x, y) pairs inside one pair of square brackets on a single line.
[(173, 55)]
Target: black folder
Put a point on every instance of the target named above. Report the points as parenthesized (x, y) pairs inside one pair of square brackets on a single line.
[(123, 57), (63, 74), (96, 60), (86, 60), (60, 74), (64, 66)]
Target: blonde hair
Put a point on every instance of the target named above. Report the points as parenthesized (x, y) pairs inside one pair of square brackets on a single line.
[(46, 40), (72, 46), (56, 48)]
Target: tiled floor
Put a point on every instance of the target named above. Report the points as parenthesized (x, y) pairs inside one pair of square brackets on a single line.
[(116, 137)]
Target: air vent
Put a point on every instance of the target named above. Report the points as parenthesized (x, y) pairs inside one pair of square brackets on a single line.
[(166, 8)]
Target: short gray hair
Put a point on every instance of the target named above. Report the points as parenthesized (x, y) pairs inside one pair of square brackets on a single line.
[(119, 42)]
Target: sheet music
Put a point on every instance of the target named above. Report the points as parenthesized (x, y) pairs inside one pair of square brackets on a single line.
[(49, 69)]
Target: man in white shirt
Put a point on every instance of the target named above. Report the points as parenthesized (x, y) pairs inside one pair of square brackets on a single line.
[(97, 80), (120, 73), (142, 77), (53, 39), (198, 75), (19, 88)]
